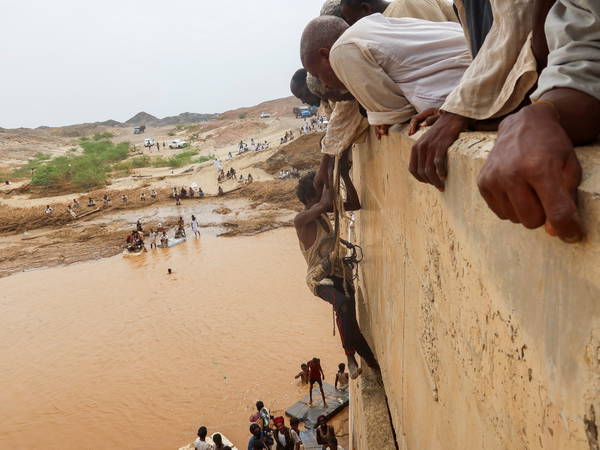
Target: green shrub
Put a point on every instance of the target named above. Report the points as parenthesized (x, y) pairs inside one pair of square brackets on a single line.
[(202, 159), (160, 162), (175, 161), (83, 171), (171, 133), (243, 116), (103, 136), (34, 163)]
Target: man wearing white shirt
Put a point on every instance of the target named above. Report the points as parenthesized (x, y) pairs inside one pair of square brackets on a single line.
[(394, 67)]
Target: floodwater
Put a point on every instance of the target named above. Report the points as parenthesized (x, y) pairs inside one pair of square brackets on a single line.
[(116, 354)]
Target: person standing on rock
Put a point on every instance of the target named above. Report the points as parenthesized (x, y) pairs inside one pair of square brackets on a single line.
[(316, 375)]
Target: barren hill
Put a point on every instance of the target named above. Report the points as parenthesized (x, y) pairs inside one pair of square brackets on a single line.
[(142, 118), (281, 107)]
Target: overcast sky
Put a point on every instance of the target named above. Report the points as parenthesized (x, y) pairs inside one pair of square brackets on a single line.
[(72, 61)]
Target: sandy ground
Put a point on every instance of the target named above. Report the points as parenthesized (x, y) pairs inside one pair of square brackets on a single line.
[(30, 239)]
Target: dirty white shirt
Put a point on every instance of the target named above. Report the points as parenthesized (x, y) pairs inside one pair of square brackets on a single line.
[(395, 67), (573, 33), (346, 124), (204, 445)]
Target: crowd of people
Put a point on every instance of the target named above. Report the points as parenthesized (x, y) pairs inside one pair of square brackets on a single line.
[(184, 193), (254, 146), (291, 173), (270, 432), (158, 237), (287, 137), (315, 124), (528, 69)]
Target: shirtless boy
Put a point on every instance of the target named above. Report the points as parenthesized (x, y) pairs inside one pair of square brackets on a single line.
[(317, 240), (316, 375), (303, 375)]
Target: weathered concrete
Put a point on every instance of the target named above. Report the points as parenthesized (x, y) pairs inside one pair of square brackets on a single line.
[(488, 334)]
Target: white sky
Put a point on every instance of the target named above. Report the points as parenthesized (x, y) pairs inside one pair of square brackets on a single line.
[(71, 61)]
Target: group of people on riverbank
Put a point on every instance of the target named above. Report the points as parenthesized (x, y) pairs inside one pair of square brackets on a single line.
[(231, 174), (287, 137), (314, 125), (254, 145), (184, 193), (158, 237), (528, 69)]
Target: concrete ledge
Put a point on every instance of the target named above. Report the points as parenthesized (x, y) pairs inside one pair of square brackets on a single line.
[(488, 334)]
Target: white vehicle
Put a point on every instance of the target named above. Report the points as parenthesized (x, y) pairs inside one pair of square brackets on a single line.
[(149, 142), (177, 143), (265, 115)]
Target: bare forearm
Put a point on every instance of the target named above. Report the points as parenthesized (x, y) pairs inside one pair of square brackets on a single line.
[(352, 199), (579, 113)]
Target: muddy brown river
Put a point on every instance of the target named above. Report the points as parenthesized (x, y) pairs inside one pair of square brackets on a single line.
[(116, 354)]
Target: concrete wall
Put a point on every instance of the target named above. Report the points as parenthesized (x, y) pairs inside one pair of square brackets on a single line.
[(488, 334)]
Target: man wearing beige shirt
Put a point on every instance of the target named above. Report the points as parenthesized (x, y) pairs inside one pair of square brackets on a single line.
[(393, 67), (346, 124), (433, 10), (532, 174), (503, 72)]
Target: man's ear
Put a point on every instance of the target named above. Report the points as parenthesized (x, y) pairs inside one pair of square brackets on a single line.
[(324, 54)]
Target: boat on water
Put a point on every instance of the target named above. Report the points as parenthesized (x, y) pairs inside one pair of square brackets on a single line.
[(172, 242), (133, 250), (209, 440)]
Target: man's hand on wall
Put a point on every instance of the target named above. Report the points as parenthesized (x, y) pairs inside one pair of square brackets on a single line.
[(532, 174), (381, 130), (423, 119), (429, 156)]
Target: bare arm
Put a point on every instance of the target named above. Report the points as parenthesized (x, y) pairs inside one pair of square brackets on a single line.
[(352, 200), (315, 211), (578, 113)]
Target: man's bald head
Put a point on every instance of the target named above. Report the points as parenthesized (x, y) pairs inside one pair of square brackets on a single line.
[(320, 33), (317, 39)]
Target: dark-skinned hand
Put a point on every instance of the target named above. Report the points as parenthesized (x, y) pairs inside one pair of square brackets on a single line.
[(381, 130), (429, 155), (532, 174), (423, 119)]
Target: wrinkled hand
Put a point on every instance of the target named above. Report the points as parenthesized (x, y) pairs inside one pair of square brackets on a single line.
[(532, 174), (429, 156), (381, 130), (423, 119)]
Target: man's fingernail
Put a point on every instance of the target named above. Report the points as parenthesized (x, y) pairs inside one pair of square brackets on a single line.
[(573, 239)]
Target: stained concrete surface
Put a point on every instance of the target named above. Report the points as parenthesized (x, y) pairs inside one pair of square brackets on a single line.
[(488, 334)]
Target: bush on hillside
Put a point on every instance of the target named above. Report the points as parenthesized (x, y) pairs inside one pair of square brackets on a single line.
[(103, 136)]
